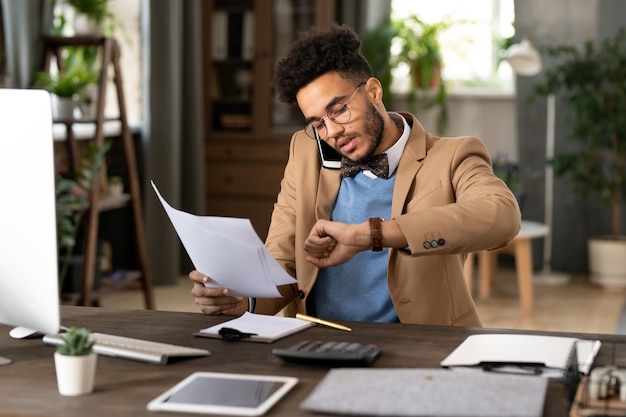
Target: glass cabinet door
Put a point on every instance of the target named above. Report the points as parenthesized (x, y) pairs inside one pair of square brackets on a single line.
[(244, 41), (290, 18), (231, 64)]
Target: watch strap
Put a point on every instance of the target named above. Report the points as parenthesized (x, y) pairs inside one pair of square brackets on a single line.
[(376, 231)]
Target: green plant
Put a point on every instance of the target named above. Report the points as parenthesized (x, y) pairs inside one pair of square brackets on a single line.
[(377, 50), (66, 83), (76, 342), (418, 47), (96, 10), (509, 172), (592, 82), (71, 202)]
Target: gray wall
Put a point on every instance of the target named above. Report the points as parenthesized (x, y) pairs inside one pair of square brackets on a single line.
[(550, 23)]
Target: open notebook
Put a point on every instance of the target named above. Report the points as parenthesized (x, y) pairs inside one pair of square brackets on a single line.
[(263, 328)]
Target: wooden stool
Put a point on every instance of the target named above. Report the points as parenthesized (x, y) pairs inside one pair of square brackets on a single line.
[(521, 248)]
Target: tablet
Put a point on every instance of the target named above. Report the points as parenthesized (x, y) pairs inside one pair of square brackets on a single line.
[(224, 393)]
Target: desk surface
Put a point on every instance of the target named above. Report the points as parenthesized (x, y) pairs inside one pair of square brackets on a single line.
[(123, 388)]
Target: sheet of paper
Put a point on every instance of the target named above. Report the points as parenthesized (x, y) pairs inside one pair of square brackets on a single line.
[(265, 328), (514, 352), (587, 351), (229, 251)]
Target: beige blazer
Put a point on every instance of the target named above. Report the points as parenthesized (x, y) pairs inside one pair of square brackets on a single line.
[(445, 192)]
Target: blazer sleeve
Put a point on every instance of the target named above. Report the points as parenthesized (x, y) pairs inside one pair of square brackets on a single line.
[(458, 200)]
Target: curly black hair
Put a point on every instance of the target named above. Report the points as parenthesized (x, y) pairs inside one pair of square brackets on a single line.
[(316, 52)]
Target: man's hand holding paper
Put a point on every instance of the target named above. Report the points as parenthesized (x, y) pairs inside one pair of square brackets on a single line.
[(229, 251), (215, 300)]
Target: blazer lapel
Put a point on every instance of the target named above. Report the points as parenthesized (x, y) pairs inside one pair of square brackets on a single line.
[(328, 187), (410, 164)]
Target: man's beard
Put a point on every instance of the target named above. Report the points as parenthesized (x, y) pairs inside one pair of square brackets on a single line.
[(373, 130)]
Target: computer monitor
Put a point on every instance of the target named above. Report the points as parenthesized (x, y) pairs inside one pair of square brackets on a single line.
[(29, 294)]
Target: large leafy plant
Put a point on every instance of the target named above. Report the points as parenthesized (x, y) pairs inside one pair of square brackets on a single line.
[(592, 83), (72, 194), (97, 10), (418, 46), (66, 83)]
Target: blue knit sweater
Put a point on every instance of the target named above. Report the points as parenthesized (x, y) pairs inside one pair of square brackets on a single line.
[(357, 290)]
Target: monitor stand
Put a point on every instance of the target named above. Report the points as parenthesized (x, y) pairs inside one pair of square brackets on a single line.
[(19, 332)]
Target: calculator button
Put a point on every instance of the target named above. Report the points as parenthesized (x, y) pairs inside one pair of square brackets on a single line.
[(306, 346), (341, 346)]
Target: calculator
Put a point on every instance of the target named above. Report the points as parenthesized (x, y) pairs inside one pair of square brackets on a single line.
[(333, 353)]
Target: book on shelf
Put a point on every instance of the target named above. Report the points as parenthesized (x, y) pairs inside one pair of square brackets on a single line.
[(219, 47), (247, 46), (233, 35)]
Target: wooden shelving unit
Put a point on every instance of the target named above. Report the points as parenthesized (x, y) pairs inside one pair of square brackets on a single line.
[(247, 129), (98, 202)]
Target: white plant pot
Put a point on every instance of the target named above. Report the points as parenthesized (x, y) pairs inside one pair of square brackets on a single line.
[(75, 374), (63, 107), (116, 190), (607, 262), (83, 25), (88, 102)]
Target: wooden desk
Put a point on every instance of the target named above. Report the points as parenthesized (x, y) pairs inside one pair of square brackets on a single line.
[(123, 388)]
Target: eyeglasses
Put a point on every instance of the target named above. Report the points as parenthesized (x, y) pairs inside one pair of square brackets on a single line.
[(339, 114)]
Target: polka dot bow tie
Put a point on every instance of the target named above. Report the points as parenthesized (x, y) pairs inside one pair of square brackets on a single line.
[(379, 165)]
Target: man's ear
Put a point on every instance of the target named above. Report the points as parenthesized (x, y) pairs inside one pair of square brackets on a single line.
[(374, 90)]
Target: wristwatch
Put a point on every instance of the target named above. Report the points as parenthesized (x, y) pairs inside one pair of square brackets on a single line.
[(376, 230)]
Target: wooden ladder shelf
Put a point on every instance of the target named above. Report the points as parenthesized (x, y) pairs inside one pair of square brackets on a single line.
[(98, 203)]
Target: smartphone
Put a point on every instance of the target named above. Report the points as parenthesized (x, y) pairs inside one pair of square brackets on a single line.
[(331, 159)]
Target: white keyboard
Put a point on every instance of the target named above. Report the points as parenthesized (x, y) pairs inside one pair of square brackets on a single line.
[(136, 349)]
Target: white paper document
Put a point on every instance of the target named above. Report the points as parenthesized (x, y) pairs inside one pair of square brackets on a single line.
[(264, 328), (229, 251), (550, 352)]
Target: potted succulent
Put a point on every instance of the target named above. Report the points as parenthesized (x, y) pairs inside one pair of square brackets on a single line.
[(116, 186), (75, 363), (591, 81)]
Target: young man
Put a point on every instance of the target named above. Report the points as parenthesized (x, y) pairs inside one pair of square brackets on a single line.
[(438, 197)]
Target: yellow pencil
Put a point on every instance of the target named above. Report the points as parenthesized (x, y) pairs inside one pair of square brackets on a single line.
[(324, 322)]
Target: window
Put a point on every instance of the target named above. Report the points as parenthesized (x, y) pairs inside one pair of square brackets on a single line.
[(472, 48), (128, 14)]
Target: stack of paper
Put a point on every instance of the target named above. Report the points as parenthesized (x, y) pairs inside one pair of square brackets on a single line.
[(229, 251), (548, 354)]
